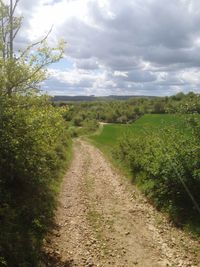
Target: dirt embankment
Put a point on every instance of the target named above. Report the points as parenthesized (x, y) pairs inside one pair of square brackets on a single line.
[(104, 221)]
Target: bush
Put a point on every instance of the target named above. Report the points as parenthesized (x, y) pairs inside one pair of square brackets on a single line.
[(77, 121), (33, 152), (88, 126), (166, 166)]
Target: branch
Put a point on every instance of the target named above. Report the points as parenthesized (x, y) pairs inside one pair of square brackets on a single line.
[(44, 64), (15, 5), (16, 32), (36, 43)]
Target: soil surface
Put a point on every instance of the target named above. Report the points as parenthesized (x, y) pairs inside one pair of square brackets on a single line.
[(103, 220)]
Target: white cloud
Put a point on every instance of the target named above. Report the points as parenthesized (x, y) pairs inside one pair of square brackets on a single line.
[(124, 47), (191, 76)]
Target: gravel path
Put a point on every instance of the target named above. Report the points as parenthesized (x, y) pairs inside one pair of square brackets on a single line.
[(104, 221)]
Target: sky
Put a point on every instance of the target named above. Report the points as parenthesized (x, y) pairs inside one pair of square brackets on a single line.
[(120, 47)]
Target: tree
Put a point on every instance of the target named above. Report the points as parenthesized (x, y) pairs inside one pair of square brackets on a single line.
[(22, 71), (34, 144), (10, 26)]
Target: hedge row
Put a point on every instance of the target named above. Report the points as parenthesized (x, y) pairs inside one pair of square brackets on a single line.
[(34, 151), (166, 166)]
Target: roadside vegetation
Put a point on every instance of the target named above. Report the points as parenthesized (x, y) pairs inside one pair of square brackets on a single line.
[(161, 153), (35, 149), (165, 165), (34, 145)]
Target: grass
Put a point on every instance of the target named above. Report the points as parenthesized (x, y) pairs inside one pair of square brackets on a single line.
[(108, 137)]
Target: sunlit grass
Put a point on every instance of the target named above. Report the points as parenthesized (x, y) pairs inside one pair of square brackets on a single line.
[(110, 134)]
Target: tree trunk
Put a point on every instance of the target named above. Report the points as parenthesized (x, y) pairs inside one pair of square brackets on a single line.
[(11, 29)]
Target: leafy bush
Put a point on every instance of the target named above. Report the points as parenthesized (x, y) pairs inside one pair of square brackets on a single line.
[(33, 153), (166, 166), (77, 120), (90, 125), (189, 103)]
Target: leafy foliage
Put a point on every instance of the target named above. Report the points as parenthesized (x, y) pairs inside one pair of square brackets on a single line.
[(33, 140), (22, 71), (128, 111), (33, 154), (161, 154), (166, 166)]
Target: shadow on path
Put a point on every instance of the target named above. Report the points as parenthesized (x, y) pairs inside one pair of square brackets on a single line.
[(50, 257), (53, 260)]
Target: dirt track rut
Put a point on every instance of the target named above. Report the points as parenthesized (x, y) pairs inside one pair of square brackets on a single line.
[(104, 221)]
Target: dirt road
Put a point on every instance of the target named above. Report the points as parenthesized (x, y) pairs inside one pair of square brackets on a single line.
[(104, 221)]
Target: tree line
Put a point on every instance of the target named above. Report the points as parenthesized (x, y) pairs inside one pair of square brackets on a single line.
[(127, 111)]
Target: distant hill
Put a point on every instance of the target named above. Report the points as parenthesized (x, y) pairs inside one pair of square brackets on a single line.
[(63, 98)]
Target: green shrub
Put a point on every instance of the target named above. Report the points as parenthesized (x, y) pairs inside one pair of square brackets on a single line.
[(33, 153), (77, 120), (166, 166), (90, 125)]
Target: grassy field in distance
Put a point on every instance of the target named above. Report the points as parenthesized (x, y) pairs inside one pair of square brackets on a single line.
[(110, 133)]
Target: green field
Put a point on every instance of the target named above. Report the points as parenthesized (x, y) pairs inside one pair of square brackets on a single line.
[(151, 122)]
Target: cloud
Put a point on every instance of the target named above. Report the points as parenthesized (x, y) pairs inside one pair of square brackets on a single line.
[(131, 46), (88, 64)]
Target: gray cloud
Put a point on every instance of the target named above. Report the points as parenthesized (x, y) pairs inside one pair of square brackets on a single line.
[(88, 64), (139, 76), (141, 39)]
